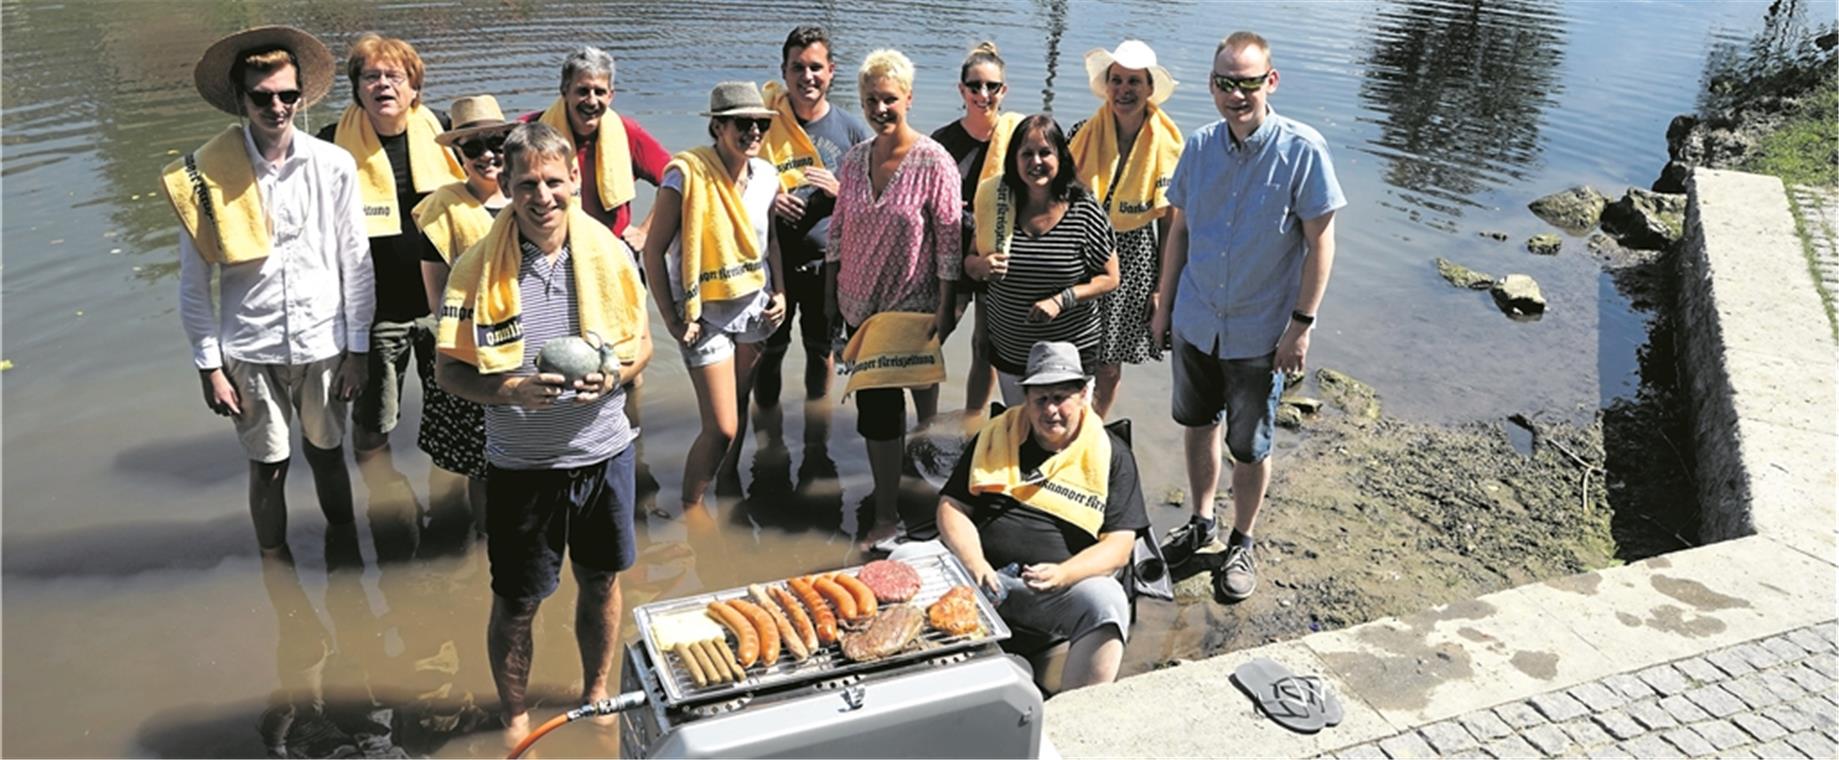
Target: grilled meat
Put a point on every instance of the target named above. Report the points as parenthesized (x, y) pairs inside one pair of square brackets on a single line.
[(955, 613), (889, 633), (891, 580)]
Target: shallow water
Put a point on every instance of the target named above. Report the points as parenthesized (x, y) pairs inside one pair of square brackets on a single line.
[(137, 619)]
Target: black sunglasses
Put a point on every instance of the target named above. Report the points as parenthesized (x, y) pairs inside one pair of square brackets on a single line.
[(266, 99), (988, 88), (743, 123), (472, 149), (1248, 84)]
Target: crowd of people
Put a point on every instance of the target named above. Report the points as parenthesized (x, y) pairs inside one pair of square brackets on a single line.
[(466, 244)]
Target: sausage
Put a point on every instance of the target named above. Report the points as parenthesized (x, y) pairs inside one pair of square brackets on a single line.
[(835, 595), (690, 663), (796, 613), (726, 657), (787, 636), (746, 638), (821, 617), (763, 626), (865, 596), (710, 660)]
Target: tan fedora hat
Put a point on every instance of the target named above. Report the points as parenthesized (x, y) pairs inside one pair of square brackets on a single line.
[(738, 99), (212, 74), (1130, 54), (474, 115)]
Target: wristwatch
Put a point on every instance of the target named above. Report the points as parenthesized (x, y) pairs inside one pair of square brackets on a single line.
[(1308, 320)]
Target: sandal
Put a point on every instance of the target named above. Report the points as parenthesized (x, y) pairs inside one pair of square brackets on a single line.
[(1304, 704)]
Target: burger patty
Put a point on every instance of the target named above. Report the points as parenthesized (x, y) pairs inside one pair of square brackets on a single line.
[(892, 581)]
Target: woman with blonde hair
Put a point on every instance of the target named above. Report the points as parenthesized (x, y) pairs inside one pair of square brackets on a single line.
[(894, 244)]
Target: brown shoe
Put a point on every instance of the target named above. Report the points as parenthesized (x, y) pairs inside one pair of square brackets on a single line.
[(1236, 580)]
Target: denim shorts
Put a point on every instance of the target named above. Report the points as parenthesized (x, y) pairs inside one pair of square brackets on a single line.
[(715, 345), (1242, 391), (532, 516)]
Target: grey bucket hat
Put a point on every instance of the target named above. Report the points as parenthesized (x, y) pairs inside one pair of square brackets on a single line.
[(1053, 362), (738, 99)]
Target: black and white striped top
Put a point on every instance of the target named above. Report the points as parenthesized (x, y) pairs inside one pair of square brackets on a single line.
[(568, 434), (1072, 252)]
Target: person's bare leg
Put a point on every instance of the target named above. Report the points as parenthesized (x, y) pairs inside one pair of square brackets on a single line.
[(475, 497), (1202, 445), (715, 402), (1110, 376), (926, 404), (597, 617), (746, 359), (268, 504), (1248, 484), (980, 384), (1093, 659), (508, 643), (820, 367)]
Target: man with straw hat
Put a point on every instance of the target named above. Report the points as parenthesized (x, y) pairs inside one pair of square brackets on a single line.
[(275, 215)]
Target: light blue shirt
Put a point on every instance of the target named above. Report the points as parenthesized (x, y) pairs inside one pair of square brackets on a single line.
[(1245, 205)]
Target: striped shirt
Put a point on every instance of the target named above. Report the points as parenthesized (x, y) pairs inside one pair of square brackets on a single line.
[(567, 434), (1072, 252)]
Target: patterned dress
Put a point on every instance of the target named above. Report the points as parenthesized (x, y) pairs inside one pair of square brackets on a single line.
[(1124, 313)]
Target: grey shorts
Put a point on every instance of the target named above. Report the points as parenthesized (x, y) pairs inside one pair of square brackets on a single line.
[(1243, 391), (1068, 613), (272, 394), (379, 404), (715, 345)]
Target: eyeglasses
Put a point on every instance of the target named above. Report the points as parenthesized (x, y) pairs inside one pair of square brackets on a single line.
[(743, 124), (986, 88), (264, 99), (373, 77), (1248, 84), (475, 148)]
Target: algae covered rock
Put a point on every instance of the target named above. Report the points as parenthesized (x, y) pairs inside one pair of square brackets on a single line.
[(1519, 295), (1354, 397), (1289, 417), (1575, 210), (1547, 244), (1461, 276), (1645, 219)]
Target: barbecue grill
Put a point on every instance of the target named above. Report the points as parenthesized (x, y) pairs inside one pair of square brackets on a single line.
[(942, 696)]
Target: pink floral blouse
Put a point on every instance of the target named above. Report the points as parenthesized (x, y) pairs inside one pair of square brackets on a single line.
[(891, 251)]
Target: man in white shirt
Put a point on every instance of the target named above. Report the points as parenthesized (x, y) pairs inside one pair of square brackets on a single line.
[(276, 215)]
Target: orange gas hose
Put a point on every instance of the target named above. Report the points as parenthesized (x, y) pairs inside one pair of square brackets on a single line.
[(548, 726)]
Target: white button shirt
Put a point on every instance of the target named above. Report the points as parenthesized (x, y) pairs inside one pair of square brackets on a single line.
[(313, 296)]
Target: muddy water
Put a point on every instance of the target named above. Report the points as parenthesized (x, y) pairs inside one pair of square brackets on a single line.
[(137, 618)]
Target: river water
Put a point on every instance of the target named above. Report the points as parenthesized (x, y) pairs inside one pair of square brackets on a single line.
[(137, 619)]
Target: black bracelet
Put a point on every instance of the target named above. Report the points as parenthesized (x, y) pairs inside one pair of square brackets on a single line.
[(1308, 320)]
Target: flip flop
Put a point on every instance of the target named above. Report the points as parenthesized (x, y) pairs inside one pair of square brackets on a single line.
[(1304, 704)]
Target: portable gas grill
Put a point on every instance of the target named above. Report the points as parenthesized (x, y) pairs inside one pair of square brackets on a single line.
[(942, 696)]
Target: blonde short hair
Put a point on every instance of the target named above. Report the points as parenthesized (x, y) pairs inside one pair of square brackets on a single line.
[(1241, 40), (884, 64)]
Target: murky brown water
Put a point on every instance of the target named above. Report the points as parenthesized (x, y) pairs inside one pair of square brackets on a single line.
[(137, 618)]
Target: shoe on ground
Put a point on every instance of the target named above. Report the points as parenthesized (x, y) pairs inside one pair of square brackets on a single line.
[(1189, 539), (1236, 580)]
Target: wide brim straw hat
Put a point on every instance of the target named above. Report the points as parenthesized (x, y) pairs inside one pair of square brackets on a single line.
[(738, 99), (472, 116), (1130, 54), (212, 74)]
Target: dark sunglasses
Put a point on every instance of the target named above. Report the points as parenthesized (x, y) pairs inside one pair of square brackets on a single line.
[(987, 88), (1248, 84), (266, 99), (472, 149), (742, 124)]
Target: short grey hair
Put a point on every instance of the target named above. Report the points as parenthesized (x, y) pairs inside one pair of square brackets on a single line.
[(535, 139), (587, 59)]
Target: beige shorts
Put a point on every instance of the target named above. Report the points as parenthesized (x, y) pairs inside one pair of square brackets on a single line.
[(272, 393)]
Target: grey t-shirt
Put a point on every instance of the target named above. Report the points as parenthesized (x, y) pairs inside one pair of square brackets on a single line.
[(833, 135)]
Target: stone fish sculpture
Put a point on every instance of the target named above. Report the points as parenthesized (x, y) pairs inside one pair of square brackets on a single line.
[(574, 358)]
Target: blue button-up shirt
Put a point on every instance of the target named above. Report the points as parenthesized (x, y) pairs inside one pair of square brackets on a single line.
[(1245, 204)]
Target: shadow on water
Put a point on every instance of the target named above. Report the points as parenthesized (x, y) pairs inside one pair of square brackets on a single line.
[(1461, 90)]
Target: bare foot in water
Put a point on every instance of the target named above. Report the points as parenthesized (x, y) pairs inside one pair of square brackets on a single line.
[(515, 729)]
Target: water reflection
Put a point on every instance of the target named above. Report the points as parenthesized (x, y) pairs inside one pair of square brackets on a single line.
[(1460, 91)]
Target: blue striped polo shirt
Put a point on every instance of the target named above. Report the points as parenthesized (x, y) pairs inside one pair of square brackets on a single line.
[(568, 434)]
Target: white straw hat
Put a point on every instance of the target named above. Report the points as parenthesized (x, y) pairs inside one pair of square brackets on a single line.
[(1130, 54)]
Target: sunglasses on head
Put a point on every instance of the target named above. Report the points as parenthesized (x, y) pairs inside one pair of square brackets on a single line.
[(987, 88), (265, 99), (1248, 84), (475, 148), (743, 124)]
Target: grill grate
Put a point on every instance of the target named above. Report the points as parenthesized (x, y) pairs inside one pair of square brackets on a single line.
[(937, 572)]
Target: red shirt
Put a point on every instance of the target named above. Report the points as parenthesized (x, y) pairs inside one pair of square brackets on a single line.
[(648, 160)]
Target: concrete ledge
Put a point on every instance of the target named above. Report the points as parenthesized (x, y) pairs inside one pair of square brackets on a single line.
[(1761, 368)]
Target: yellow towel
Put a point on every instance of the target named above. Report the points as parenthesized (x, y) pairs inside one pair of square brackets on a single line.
[(214, 192), (1073, 484), (721, 258), (1141, 195), (481, 313), (612, 157), (994, 209), (999, 145), (430, 165), (452, 219), (892, 350), (786, 144)]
